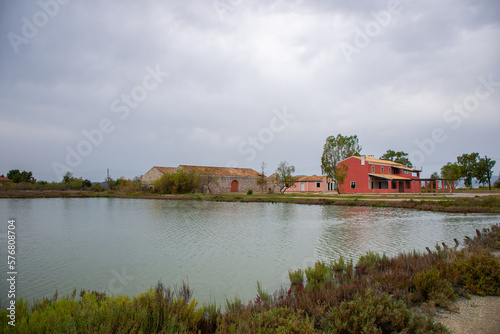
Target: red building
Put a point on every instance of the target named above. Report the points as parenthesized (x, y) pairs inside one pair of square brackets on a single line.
[(368, 175)]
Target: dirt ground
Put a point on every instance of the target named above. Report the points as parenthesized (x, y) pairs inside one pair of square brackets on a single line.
[(475, 315)]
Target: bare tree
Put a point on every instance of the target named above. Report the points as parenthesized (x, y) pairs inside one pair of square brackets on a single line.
[(262, 181)]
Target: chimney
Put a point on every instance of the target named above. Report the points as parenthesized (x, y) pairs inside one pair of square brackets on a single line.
[(363, 157)]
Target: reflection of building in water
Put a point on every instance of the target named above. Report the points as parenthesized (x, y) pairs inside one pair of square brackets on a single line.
[(352, 231)]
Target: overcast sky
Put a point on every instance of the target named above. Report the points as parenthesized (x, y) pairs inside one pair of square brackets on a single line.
[(127, 85)]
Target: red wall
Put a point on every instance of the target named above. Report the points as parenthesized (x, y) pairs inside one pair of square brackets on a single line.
[(359, 174)]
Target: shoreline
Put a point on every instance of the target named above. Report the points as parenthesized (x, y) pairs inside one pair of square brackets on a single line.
[(470, 203)]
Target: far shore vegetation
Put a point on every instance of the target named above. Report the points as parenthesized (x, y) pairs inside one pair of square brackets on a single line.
[(188, 185), (376, 294)]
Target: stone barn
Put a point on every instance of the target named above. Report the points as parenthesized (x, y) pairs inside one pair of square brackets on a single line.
[(218, 180)]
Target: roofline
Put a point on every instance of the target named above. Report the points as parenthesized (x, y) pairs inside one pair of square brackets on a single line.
[(397, 177), (389, 163)]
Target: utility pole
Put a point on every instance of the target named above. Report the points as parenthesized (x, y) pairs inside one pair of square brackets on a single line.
[(107, 180)]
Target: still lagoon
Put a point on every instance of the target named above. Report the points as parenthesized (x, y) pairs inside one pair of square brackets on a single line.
[(125, 246)]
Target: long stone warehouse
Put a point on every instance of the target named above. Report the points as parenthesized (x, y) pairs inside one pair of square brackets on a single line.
[(228, 180)]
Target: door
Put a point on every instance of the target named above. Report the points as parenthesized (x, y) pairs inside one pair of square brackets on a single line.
[(234, 186), (401, 187), (302, 186)]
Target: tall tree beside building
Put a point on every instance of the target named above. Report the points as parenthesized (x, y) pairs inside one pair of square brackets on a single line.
[(335, 150), (452, 172), (468, 166), (399, 157), (284, 176), (340, 175), (484, 170)]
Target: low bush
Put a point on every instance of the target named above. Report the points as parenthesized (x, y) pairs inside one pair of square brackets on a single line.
[(372, 313), (276, 320), (478, 273), (368, 262), (318, 276), (433, 287)]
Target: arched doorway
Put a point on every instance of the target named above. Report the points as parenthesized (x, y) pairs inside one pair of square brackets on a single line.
[(234, 186)]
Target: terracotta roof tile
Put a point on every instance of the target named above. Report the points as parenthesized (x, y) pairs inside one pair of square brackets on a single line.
[(166, 170), (3, 179), (205, 170), (221, 171), (389, 163), (391, 177)]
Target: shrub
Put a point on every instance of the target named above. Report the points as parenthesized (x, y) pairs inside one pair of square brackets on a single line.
[(262, 295), (433, 287), (479, 273), (276, 320), (343, 270), (249, 192), (318, 276), (371, 313), (179, 182), (367, 263), (234, 305), (296, 281)]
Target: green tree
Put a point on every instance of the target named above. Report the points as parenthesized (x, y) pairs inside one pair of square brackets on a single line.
[(340, 174), (284, 176), (451, 171), (484, 170), (68, 177), (468, 166), (335, 150), (17, 177), (435, 176), (86, 183), (399, 157)]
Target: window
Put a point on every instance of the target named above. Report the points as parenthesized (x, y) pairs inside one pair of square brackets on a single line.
[(318, 185), (390, 170), (353, 184), (382, 170), (373, 169)]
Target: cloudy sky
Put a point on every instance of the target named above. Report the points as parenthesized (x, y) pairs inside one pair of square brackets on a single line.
[(127, 85)]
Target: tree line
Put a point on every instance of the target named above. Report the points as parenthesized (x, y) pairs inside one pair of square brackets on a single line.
[(336, 149), (469, 167)]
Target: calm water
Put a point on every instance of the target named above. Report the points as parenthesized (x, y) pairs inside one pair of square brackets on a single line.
[(222, 249)]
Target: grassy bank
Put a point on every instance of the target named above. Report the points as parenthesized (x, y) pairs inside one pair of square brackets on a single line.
[(376, 295), (426, 202)]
